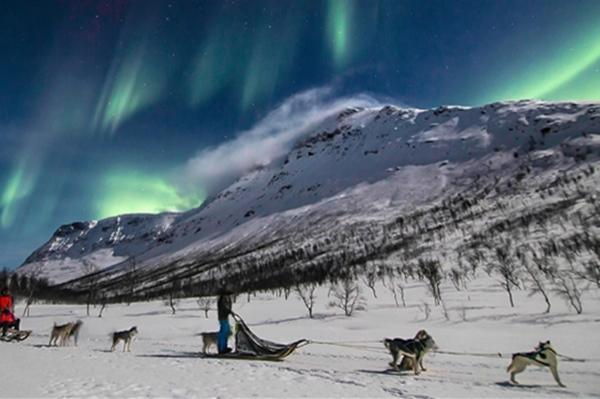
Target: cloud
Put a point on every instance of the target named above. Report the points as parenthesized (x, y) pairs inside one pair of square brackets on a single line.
[(272, 137)]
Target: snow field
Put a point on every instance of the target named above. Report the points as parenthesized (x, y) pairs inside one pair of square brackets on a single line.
[(165, 360)]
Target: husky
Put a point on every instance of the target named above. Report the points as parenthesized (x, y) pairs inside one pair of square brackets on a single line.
[(61, 334), (407, 362), (415, 349), (126, 336), (543, 356), (210, 339), (75, 331)]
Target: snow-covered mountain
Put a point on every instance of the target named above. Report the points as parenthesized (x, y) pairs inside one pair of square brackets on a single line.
[(85, 247), (363, 165)]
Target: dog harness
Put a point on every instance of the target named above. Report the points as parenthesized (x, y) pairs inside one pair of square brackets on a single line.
[(534, 356)]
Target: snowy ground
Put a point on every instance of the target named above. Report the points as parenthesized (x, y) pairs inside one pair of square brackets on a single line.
[(165, 362)]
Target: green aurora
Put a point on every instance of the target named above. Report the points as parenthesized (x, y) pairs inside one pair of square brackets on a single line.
[(339, 20), (570, 71), (127, 191), (132, 84), (18, 187)]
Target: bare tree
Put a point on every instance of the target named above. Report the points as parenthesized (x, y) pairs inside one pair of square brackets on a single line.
[(206, 303), (430, 270), (26, 286), (130, 278), (307, 294), (445, 311), (458, 278), (566, 287), (30, 288), (15, 284), (505, 266), (536, 275), (591, 273), (396, 285), (90, 269), (171, 301), (370, 279), (172, 297), (103, 304), (347, 296)]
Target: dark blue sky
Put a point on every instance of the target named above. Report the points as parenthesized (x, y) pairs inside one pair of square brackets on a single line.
[(102, 102)]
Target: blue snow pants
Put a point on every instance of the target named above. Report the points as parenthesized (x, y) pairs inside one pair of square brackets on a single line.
[(224, 330)]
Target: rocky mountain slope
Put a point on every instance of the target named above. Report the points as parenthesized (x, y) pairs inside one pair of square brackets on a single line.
[(346, 191)]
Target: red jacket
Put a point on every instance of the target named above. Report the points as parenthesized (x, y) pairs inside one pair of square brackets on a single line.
[(6, 306)]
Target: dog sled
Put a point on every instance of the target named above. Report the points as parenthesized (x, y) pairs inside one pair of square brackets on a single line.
[(15, 335), (248, 346)]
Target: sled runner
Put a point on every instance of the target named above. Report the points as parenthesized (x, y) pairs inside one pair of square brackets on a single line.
[(15, 335), (239, 356), (250, 347)]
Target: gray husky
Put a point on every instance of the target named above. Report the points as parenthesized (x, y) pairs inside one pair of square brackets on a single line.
[(543, 356), (61, 334), (126, 336), (415, 349)]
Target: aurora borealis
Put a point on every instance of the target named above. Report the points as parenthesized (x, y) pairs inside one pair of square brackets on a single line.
[(128, 191), (103, 102), (569, 71), (338, 25)]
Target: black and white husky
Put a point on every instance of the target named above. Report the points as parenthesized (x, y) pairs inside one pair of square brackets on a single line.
[(543, 356), (126, 336), (415, 348)]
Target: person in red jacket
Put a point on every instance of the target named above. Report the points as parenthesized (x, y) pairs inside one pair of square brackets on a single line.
[(7, 316)]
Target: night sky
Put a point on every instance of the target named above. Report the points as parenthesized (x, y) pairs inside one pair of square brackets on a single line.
[(104, 103)]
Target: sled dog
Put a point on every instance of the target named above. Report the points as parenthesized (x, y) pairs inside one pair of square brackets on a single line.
[(60, 334), (126, 336), (407, 362), (415, 349), (210, 339), (75, 332), (543, 356)]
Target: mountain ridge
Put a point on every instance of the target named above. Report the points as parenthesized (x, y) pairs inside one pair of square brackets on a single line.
[(363, 161)]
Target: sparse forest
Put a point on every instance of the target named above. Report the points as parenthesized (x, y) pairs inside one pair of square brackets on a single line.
[(541, 238), (31, 288)]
